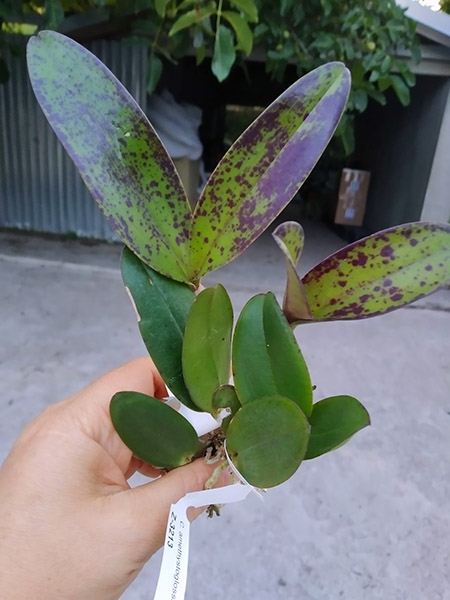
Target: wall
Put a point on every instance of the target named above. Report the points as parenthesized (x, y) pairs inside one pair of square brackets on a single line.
[(40, 189), (397, 144)]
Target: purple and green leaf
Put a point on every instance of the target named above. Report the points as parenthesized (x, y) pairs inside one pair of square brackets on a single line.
[(115, 149), (380, 273), (267, 440), (266, 358), (265, 167), (333, 422), (290, 238), (206, 352)]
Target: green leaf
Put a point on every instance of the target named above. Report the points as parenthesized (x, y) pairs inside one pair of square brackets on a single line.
[(290, 237), (116, 150), (248, 7), (54, 14), (224, 53), (380, 273), (267, 440), (154, 70), (333, 422), (162, 306), (266, 358), (401, 89), (207, 345), (242, 30), (160, 7), (225, 397), (265, 167), (152, 430), (192, 17)]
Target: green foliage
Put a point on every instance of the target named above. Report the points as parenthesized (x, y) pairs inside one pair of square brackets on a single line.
[(162, 307), (267, 440), (333, 422), (271, 423), (145, 425), (266, 358), (207, 345)]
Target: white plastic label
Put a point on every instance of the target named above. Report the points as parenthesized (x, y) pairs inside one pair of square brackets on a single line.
[(173, 575)]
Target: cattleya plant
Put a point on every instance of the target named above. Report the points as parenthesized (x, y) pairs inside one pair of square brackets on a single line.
[(271, 422)]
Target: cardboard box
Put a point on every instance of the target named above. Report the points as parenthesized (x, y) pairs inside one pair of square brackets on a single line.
[(353, 190)]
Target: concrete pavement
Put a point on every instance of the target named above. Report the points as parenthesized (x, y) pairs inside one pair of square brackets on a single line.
[(369, 521)]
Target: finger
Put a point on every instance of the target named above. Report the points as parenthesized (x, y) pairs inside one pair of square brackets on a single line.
[(163, 492)]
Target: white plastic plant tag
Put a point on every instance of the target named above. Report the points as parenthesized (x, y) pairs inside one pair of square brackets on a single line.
[(202, 422), (173, 575)]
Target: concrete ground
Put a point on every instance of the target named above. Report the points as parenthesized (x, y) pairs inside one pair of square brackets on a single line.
[(369, 521)]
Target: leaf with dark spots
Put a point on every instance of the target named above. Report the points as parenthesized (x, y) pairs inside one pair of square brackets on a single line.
[(392, 274), (116, 150), (265, 167), (162, 305), (290, 237), (266, 356)]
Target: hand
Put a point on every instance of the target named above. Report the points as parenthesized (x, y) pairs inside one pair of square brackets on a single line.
[(71, 528)]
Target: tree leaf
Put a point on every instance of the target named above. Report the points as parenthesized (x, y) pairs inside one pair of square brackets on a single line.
[(116, 150), (224, 53), (152, 430), (192, 17), (248, 7), (401, 89), (380, 273), (154, 70), (207, 345), (162, 306), (333, 422), (225, 397), (243, 32), (160, 7), (267, 440), (54, 14), (266, 358), (290, 237), (265, 167)]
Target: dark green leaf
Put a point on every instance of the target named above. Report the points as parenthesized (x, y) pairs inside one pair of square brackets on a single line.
[(267, 440), (248, 7), (54, 14), (380, 273), (333, 422), (225, 397), (153, 431), (160, 7), (243, 33), (224, 53), (162, 305), (192, 17), (117, 152), (154, 70), (266, 358), (401, 89), (207, 345)]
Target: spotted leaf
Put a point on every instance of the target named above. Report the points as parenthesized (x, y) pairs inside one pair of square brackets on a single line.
[(380, 273), (115, 149), (265, 167), (290, 237)]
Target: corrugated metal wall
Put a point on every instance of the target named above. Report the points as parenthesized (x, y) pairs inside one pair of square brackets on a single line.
[(40, 189)]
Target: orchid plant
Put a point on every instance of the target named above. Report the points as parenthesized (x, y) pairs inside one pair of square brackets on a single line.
[(267, 418)]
